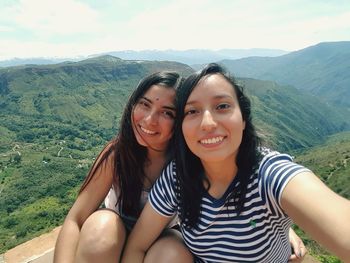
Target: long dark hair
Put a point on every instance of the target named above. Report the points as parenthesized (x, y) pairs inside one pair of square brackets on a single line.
[(129, 155), (189, 169)]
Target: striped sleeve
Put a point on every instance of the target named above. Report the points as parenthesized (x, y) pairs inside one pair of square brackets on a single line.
[(162, 196), (275, 171)]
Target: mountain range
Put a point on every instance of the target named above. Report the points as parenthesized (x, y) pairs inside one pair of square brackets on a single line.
[(322, 70), (196, 56), (95, 90), (190, 57)]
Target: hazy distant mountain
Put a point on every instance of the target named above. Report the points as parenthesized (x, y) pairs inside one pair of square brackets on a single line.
[(323, 70), (190, 57), (34, 61), (196, 56)]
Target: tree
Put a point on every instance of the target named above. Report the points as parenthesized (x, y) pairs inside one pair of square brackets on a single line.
[(18, 158)]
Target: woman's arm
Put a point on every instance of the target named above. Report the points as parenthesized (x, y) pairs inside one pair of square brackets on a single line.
[(86, 203), (323, 214), (147, 229)]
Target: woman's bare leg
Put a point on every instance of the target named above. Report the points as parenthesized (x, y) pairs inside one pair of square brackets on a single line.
[(102, 237), (169, 248)]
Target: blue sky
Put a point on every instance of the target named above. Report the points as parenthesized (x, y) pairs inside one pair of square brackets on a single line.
[(70, 28)]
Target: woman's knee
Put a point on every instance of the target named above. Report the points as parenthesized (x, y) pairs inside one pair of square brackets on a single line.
[(102, 234), (169, 248)]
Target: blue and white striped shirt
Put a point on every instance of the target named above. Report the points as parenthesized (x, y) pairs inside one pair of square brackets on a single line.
[(258, 234)]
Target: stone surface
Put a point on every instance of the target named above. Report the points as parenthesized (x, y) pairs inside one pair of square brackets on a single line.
[(37, 250)]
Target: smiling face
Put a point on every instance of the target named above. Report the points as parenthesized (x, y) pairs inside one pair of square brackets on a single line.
[(153, 117), (213, 124)]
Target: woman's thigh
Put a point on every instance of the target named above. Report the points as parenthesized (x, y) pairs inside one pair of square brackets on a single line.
[(102, 236), (169, 248)]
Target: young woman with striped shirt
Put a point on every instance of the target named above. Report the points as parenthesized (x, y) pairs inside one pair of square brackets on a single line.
[(236, 200)]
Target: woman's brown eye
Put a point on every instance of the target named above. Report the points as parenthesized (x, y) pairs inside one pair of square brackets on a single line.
[(190, 112), (144, 103), (223, 106), (169, 114)]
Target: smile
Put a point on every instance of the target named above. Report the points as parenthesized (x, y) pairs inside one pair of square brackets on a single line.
[(212, 140), (147, 131)]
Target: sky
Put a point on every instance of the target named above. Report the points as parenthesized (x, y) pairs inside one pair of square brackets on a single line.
[(73, 28)]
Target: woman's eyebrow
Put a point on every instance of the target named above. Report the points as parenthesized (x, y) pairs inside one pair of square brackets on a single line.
[(170, 107), (191, 102), (221, 96), (145, 98)]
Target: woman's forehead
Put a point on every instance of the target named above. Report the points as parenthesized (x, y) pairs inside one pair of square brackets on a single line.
[(212, 85)]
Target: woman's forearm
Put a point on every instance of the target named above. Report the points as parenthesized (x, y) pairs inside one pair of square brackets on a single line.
[(67, 242), (132, 255), (328, 220)]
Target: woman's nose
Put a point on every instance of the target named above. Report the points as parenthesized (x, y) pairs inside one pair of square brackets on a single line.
[(208, 121), (152, 118)]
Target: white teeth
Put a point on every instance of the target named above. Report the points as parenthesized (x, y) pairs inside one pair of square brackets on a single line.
[(212, 140), (147, 131)]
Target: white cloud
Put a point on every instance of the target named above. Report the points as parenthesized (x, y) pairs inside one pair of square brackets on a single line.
[(327, 23), (190, 24), (306, 31), (241, 24), (5, 28), (63, 17), (72, 27)]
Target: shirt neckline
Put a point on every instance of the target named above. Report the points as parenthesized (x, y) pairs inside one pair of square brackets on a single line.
[(220, 201)]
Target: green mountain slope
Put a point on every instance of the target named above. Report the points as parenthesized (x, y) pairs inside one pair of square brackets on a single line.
[(322, 69), (94, 89), (92, 93), (331, 162), (288, 118), (86, 95)]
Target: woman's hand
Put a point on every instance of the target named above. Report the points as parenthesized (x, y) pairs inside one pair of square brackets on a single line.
[(147, 229), (299, 249)]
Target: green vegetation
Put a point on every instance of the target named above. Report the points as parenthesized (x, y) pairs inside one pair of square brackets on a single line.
[(289, 119), (36, 192), (331, 162)]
